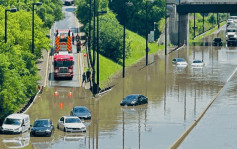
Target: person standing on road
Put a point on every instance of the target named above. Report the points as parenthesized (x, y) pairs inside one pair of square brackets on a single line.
[(77, 37), (73, 39), (88, 75), (83, 78)]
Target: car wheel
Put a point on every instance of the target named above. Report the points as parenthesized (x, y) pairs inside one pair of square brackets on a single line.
[(64, 129), (58, 126)]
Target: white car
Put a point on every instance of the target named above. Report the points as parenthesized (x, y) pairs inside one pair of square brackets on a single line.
[(71, 124), (179, 62), (197, 64)]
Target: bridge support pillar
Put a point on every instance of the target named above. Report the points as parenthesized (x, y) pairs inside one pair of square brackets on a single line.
[(183, 29)]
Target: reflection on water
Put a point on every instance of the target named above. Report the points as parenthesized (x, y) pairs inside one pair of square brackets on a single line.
[(176, 96), (16, 141)]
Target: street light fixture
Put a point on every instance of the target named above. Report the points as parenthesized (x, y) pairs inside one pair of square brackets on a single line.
[(147, 33), (33, 10), (11, 10), (98, 49)]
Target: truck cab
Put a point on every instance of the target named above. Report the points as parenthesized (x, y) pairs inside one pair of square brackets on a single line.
[(63, 65), (231, 32)]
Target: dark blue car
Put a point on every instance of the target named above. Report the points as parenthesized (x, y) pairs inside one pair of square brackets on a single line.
[(134, 99), (82, 112), (42, 127)]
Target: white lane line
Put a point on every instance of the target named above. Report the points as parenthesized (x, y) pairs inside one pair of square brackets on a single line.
[(232, 75), (51, 57), (79, 70)]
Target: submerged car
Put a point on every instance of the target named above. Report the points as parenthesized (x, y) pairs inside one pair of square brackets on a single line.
[(198, 63), (42, 127), (71, 124), (179, 62), (217, 42), (134, 99), (81, 111)]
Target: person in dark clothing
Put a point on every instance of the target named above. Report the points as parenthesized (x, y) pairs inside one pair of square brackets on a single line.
[(73, 39), (88, 75), (78, 38), (83, 78)]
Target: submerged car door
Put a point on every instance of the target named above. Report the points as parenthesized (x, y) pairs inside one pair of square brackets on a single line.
[(61, 123)]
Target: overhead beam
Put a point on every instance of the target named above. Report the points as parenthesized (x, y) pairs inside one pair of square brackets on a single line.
[(207, 8)]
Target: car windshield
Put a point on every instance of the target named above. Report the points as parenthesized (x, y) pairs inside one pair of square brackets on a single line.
[(72, 120), (230, 30), (80, 110), (10, 121), (130, 98), (63, 63), (41, 123), (197, 61), (180, 60)]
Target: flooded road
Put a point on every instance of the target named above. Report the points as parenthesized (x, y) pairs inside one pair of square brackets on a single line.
[(176, 97)]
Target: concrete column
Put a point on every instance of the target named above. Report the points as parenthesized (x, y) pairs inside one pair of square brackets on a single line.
[(183, 29)]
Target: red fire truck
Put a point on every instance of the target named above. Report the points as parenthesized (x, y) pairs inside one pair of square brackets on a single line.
[(63, 40), (63, 65)]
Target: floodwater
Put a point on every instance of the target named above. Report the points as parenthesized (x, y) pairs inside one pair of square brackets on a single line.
[(176, 97)]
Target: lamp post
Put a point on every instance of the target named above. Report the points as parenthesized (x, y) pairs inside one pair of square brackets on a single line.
[(33, 17), (124, 33), (147, 33), (93, 64), (98, 49), (89, 38), (11, 10)]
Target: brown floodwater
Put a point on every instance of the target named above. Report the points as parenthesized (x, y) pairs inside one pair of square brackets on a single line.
[(176, 97)]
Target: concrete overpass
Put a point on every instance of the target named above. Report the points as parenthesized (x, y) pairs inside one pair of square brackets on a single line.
[(180, 11)]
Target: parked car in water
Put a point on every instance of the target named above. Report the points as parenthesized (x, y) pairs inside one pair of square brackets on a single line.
[(42, 127), (134, 99), (179, 62), (82, 112), (71, 124), (16, 123), (197, 63), (217, 42)]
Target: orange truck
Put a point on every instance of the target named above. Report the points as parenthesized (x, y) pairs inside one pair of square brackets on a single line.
[(63, 65), (63, 41)]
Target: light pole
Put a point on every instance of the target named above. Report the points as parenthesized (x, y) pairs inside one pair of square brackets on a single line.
[(89, 38), (147, 33), (11, 10), (98, 49), (124, 32), (93, 64), (33, 18)]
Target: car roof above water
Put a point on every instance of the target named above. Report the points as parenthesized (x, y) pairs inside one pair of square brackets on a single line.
[(18, 116)]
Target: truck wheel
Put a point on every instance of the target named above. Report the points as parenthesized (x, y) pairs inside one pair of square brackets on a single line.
[(64, 129)]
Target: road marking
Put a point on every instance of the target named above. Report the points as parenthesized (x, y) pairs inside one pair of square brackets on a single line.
[(231, 75), (50, 82), (79, 68), (178, 142)]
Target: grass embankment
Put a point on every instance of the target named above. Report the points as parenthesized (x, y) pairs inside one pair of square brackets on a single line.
[(137, 49), (199, 38)]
